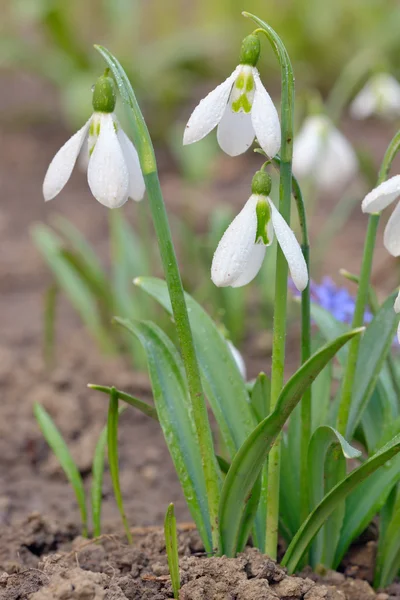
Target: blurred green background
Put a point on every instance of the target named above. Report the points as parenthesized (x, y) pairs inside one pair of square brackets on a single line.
[(175, 49)]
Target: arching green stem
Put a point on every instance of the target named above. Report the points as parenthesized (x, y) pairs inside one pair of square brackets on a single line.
[(280, 308), (362, 293), (148, 164)]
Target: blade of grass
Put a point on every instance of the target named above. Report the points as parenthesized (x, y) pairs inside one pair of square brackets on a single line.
[(112, 443), (171, 544), (145, 408), (57, 443)]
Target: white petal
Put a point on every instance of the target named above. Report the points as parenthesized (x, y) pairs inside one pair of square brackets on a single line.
[(307, 145), (235, 132), (337, 163), (290, 248), (397, 303), (238, 359), (107, 173), (391, 236), (61, 166), (254, 264), (364, 104), (209, 112), (137, 186), (233, 255), (265, 119), (381, 196)]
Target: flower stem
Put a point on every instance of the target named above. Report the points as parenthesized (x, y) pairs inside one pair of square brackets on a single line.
[(148, 164), (280, 308), (362, 294)]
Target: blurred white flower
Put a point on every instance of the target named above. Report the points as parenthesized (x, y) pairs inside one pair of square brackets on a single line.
[(238, 358), (397, 310), (323, 154), (380, 96), (242, 109), (378, 199), (240, 253), (114, 172)]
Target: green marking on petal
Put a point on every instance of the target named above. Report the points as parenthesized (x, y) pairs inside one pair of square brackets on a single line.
[(263, 220), (243, 92)]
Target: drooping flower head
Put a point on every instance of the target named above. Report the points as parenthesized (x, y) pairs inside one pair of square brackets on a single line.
[(380, 96), (114, 172), (241, 107), (240, 253), (378, 199), (322, 153)]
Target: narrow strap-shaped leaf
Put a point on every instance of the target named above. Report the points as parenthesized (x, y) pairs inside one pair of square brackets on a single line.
[(374, 348), (388, 558), (56, 442), (319, 515), (364, 503), (329, 327), (260, 396), (96, 489), (327, 446), (176, 420), (249, 460), (145, 408), (223, 384), (112, 443), (71, 283), (171, 544)]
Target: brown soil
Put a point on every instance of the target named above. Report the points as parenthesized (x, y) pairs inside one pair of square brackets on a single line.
[(108, 569)]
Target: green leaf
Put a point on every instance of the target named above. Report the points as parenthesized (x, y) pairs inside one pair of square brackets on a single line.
[(327, 452), (374, 348), (71, 283), (316, 519), (96, 490), (330, 327), (145, 408), (49, 335), (388, 558), (248, 462), (171, 397), (171, 545), (223, 384), (364, 503), (56, 442), (112, 443), (260, 396)]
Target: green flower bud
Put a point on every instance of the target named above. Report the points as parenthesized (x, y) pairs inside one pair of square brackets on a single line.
[(104, 95), (264, 226), (261, 184), (250, 51)]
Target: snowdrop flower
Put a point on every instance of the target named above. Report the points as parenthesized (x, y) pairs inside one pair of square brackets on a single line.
[(113, 167), (241, 107), (241, 251), (380, 197), (238, 358), (379, 96), (322, 153), (397, 310)]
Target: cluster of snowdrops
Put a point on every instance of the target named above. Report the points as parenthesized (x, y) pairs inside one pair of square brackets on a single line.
[(271, 480)]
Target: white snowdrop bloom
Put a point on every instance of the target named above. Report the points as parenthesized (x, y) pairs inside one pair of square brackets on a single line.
[(240, 253), (238, 358), (241, 107), (397, 310), (378, 199), (113, 167), (380, 96), (322, 153)]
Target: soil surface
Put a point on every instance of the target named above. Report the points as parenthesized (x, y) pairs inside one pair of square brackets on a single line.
[(30, 478), (109, 569)]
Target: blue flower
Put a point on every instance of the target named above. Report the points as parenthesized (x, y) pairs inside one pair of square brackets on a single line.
[(336, 300)]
